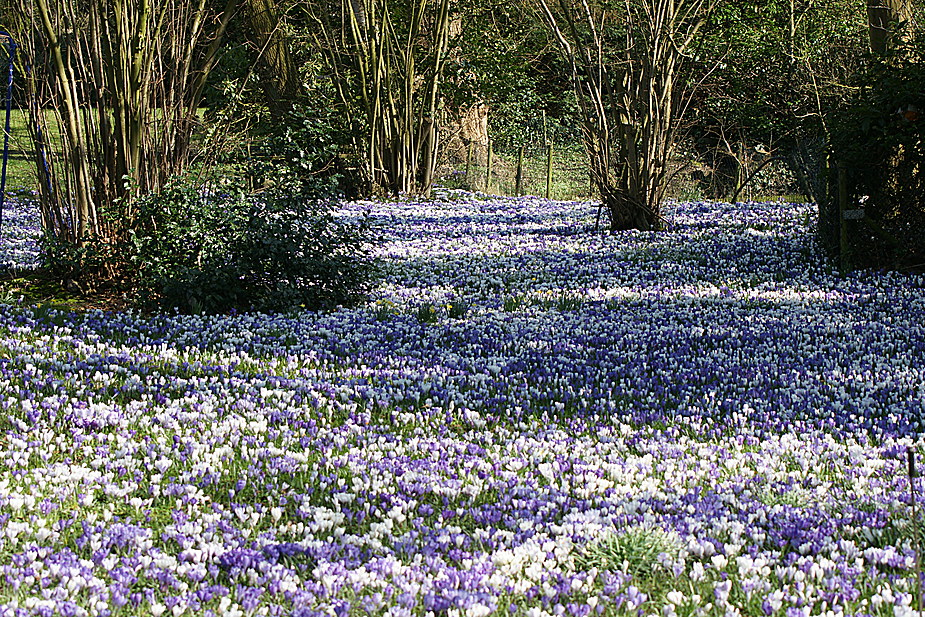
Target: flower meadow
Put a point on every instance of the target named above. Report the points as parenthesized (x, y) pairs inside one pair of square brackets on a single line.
[(527, 418)]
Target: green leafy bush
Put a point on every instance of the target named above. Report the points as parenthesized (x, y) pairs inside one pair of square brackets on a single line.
[(265, 237), (639, 551), (211, 252), (76, 266), (427, 313), (304, 154)]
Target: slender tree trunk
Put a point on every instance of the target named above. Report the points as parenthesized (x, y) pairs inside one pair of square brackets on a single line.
[(75, 144), (625, 72), (388, 75), (125, 78)]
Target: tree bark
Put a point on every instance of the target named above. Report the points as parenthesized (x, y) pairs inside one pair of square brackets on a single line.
[(75, 144), (884, 17), (464, 127), (125, 79), (278, 71), (387, 72)]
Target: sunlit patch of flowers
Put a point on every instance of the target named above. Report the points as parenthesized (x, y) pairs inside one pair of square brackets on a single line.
[(19, 234), (528, 418)]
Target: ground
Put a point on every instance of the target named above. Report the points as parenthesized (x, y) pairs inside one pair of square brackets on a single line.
[(528, 418)]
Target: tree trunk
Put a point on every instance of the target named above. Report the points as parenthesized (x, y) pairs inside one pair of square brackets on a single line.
[(125, 78), (625, 212), (387, 73), (279, 73), (884, 17), (466, 126), (625, 67), (74, 145)]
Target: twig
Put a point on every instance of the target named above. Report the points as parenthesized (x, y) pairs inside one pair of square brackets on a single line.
[(915, 528)]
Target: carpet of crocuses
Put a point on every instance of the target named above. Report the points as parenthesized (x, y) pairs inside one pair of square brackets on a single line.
[(528, 418)]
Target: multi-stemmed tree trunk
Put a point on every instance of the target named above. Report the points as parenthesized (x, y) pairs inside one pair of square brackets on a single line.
[(123, 79), (626, 59), (386, 58)]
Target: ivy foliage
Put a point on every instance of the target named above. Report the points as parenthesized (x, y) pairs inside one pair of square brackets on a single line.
[(211, 252)]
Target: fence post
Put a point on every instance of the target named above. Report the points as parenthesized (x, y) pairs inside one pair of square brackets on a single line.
[(842, 222), (11, 48), (520, 171), (548, 169), (488, 171)]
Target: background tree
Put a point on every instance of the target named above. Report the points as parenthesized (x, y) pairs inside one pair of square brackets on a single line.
[(269, 38), (886, 18), (876, 143), (775, 67), (504, 75), (124, 80), (387, 58), (627, 64)]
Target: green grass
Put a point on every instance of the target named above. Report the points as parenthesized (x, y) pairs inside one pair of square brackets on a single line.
[(40, 289), (21, 166), (570, 176), (635, 550), (562, 301), (21, 171)]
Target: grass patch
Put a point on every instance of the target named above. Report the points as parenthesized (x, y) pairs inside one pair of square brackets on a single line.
[(570, 175), (427, 313), (21, 173), (562, 301), (638, 551), (21, 166)]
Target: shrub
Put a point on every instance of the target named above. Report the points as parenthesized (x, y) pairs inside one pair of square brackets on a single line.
[(305, 152), (266, 238), (262, 236), (81, 267), (427, 313), (209, 252)]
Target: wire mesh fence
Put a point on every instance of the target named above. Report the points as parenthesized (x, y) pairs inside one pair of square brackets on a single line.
[(556, 170), (562, 171)]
